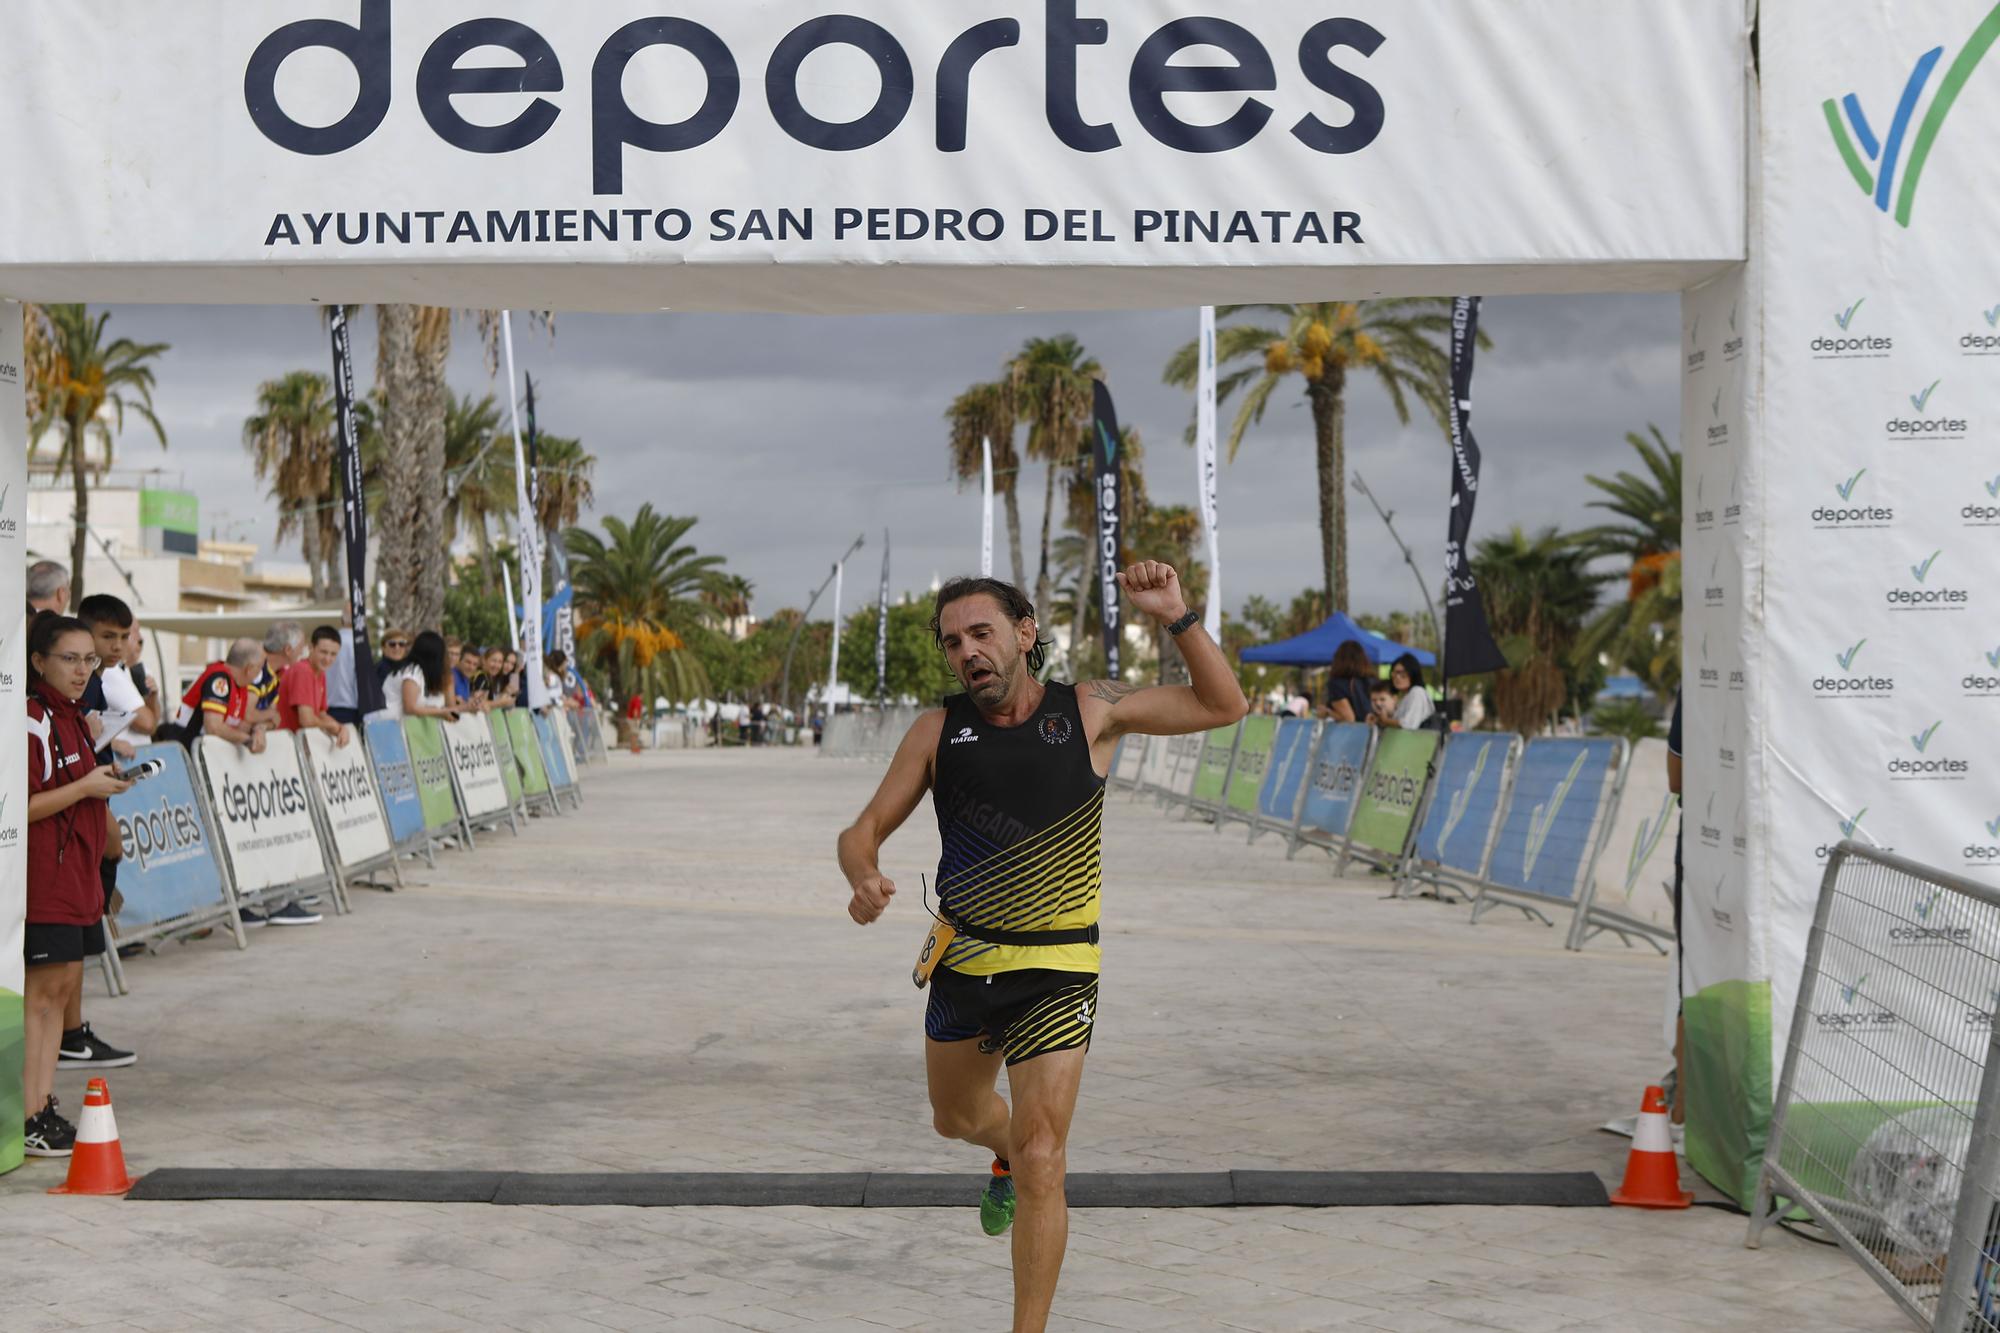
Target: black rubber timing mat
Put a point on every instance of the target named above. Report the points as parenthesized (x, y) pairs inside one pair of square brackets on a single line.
[(1188, 1189)]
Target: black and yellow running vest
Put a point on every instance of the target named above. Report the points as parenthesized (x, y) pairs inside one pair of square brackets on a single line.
[(1019, 811)]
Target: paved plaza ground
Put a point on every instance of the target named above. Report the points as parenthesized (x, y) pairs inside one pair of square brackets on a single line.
[(668, 981)]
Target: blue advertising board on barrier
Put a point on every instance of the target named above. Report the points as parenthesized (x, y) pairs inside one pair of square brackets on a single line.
[(1291, 756), (171, 872), (1562, 789), (1338, 762), (562, 774), (395, 780), (1471, 780)]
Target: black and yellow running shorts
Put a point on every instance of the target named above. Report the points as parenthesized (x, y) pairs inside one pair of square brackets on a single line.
[(1022, 1014)]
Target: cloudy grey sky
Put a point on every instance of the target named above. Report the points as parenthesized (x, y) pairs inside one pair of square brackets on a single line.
[(789, 435)]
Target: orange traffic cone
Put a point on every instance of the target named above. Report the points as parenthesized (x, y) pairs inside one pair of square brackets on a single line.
[(98, 1164), (1652, 1175)]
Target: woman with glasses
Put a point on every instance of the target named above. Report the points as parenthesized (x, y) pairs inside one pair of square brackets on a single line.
[(395, 654), (69, 827)]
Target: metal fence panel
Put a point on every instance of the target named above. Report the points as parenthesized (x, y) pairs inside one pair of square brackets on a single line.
[(868, 734), (1254, 737), (1285, 776), (172, 878), (1557, 815), (1127, 760), (1385, 812), (1883, 1126), (1211, 774)]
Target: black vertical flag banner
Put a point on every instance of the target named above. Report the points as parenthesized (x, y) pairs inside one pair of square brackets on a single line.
[(1110, 510), (1468, 643), (882, 627), (354, 516)]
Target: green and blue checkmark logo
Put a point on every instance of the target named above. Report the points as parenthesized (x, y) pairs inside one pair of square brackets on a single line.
[(1923, 571), (1922, 740), (1846, 659), (1850, 825), (1993, 827), (1922, 400), (1925, 906), (1993, 487), (1846, 317), (1874, 161), (1846, 488), (1992, 317), (1847, 993), (1993, 659)]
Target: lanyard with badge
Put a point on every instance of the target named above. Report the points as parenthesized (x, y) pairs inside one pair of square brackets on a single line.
[(936, 941)]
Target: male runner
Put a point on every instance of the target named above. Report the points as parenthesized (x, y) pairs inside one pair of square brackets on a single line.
[(1016, 773)]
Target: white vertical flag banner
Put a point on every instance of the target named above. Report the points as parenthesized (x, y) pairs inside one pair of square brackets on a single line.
[(986, 510), (529, 544), (1204, 439), (833, 663)]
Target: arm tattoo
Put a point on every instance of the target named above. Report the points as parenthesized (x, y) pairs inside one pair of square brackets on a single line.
[(1111, 691)]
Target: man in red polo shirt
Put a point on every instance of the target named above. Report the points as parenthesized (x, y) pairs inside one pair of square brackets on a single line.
[(302, 691)]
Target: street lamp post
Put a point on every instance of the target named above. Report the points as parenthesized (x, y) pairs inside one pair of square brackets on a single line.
[(785, 687)]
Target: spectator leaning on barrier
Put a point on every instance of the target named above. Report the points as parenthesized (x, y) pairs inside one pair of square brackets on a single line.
[(135, 662), (395, 654), (1347, 684), (1381, 703), (302, 702), (48, 588), (469, 658), (218, 703), (283, 643), (492, 686), (69, 826), (109, 621), (420, 687), (553, 667), (343, 687), (1412, 707)]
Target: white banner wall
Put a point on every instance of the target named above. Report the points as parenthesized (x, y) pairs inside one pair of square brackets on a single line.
[(908, 156), (13, 725), (346, 787), (263, 813), (1840, 416), (481, 790)]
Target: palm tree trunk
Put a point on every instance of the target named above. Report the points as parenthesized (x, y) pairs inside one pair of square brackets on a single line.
[(409, 367), (309, 548), (483, 544), (1014, 534), (1048, 509), (1329, 411), (80, 539)]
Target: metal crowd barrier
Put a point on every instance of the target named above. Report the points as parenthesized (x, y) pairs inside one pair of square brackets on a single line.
[(1461, 817), (1884, 1126), (1557, 821)]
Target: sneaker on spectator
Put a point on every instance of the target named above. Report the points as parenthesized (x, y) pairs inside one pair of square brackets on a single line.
[(310, 900), (47, 1134), (84, 1049), (294, 915), (252, 918)]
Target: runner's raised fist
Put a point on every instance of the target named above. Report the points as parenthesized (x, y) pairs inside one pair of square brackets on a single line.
[(871, 896), (1154, 589)]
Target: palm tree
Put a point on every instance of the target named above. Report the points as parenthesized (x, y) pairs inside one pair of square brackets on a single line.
[(564, 472), (1641, 632), (479, 478), (1403, 342), (638, 590), (84, 378), (1538, 592), (729, 597), (1054, 382), (292, 441), (988, 412), (412, 347)]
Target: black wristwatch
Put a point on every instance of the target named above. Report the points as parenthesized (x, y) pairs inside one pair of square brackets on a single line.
[(1185, 623)]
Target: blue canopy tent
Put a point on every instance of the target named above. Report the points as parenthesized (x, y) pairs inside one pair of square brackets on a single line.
[(1315, 647)]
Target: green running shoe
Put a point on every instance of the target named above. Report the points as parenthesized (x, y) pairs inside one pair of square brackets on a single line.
[(996, 1203)]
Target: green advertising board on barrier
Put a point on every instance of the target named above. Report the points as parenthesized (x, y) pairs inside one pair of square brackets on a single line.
[(1253, 756), (12, 1117), (527, 752), (503, 755), (1214, 766), (1392, 791), (433, 773)]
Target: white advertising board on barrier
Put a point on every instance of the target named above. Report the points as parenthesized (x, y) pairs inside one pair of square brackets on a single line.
[(345, 787), (1635, 875), (771, 154), (475, 770), (1838, 411), (263, 814)]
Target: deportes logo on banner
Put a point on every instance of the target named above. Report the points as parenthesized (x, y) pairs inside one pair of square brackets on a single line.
[(263, 813), (482, 789), (346, 788), (170, 869), (396, 779)]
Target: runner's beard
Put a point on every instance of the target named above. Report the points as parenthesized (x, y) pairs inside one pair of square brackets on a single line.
[(993, 690)]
